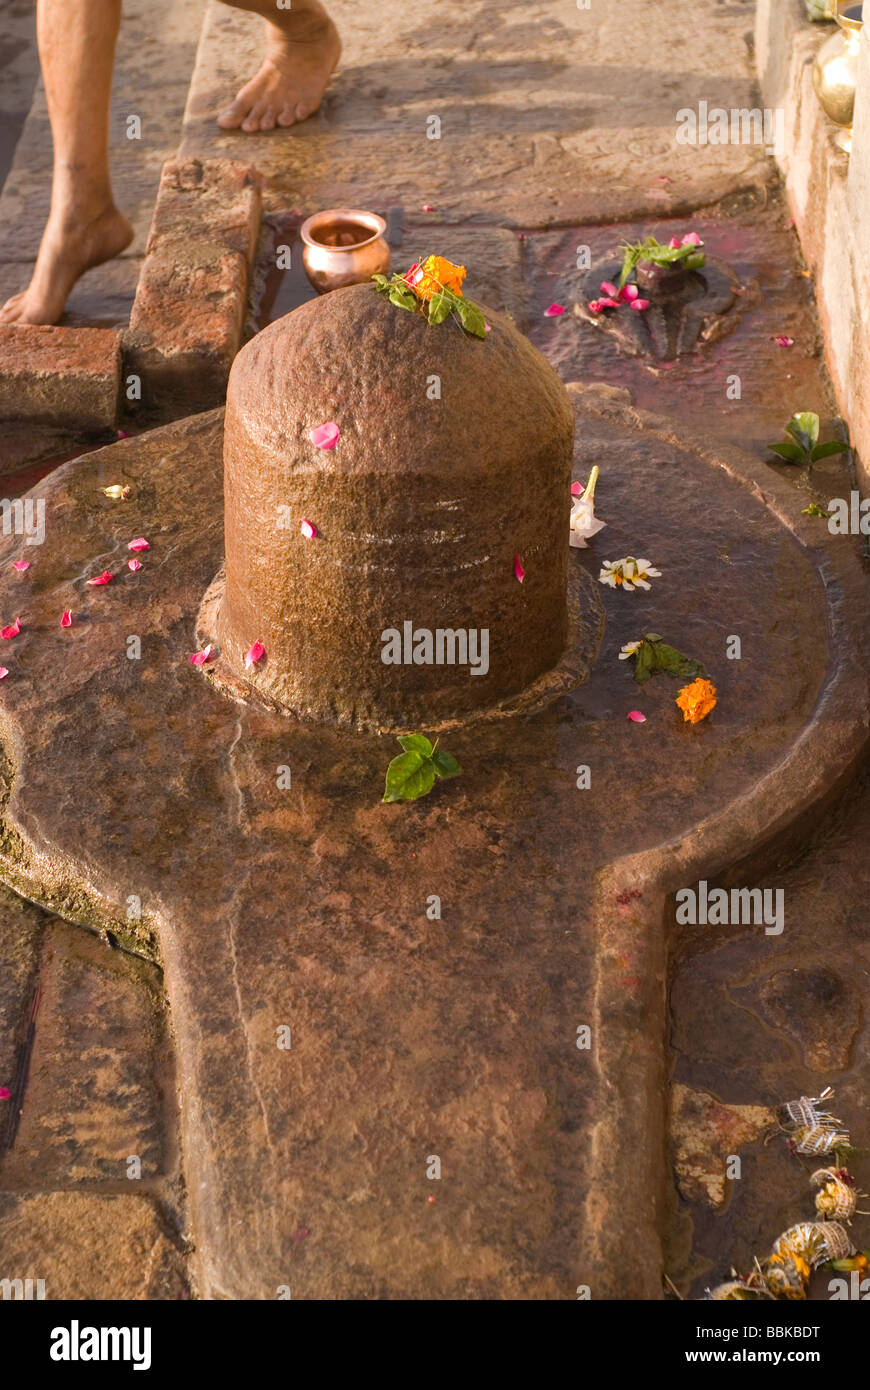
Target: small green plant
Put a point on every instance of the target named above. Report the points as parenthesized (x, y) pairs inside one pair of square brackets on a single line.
[(804, 446), (815, 510), (651, 653), (687, 249), (412, 773)]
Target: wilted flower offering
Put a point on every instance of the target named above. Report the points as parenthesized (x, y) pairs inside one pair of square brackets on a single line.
[(433, 287), (697, 700), (613, 298), (628, 573), (584, 522)]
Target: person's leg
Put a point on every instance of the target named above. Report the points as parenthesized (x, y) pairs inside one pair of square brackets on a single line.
[(76, 49), (302, 49)]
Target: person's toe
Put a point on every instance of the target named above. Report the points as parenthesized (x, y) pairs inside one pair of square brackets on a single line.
[(10, 312), (254, 116), (304, 109), (286, 116), (235, 113), (268, 119)]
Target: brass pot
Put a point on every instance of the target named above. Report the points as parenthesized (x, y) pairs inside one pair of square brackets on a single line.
[(835, 70), (343, 247)]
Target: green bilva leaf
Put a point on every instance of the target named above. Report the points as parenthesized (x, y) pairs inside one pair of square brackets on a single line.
[(696, 261), (409, 776), (445, 764), (824, 451), (381, 282), (804, 427), (472, 318), (405, 298), (441, 306), (416, 743), (792, 453), (644, 662), (653, 637)]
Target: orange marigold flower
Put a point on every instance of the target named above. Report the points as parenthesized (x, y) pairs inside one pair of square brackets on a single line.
[(697, 700), (434, 275)]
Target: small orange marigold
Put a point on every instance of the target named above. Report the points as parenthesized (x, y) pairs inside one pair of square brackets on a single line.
[(697, 700)]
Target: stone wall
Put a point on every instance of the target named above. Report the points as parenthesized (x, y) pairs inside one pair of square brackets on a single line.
[(829, 194)]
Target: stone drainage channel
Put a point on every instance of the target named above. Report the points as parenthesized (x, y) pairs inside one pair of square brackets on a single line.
[(754, 1019)]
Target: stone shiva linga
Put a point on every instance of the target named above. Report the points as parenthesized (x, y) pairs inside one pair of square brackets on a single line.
[(397, 495)]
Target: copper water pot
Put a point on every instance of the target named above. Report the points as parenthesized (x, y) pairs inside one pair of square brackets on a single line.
[(344, 247), (835, 70)]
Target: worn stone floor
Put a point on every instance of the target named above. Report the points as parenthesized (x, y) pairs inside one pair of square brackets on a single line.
[(568, 143)]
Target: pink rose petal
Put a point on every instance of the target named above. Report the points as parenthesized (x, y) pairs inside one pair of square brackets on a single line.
[(308, 529), (4, 672), (139, 543), (66, 619), (5, 1093), (629, 292), (576, 489), (12, 630), (255, 653), (122, 434), (639, 304), (487, 327), (608, 287), (200, 658), (674, 243), (636, 717), (325, 436), (783, 340), (663, 178), (134, 564), (518, 569), (21, 565), (553, 311), (105, 578), (428, 207), (692, 239)]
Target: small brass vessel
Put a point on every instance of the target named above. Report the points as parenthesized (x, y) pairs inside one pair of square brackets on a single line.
[(344, 247), (835, 71)]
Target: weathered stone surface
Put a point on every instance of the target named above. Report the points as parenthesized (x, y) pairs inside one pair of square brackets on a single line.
[(21, 929), (306, 907), (187, 318), (95, 1068), (420, 511), (566, 114), (89, 1247), (62, 375)]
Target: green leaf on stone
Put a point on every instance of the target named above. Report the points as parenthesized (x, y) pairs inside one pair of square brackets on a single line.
[(412, 774), (441, 306), (815, 510), (654, 655), (824, 451), (445, 764), (409, 776), (472, 318), (792, 453), (404, 298), (804, 427), (416, 743)]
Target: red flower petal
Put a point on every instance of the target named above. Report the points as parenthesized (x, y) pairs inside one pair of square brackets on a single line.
[(21, 565), (12, 630), (692, 239), (639, 304), (629, 292), (576, 489), (325, 436), (4, 672), (200, 658), (255, 653), (5, 1093), (428, 207), (122, 434), (783, 340), (636, 717), (554, 311), (139, 543), (66, 619), (104, 578), (308, 529), (134, 564), (518, 569), (608, 287), (674, 243)]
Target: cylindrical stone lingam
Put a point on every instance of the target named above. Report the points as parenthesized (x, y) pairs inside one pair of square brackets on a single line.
[(450, 478)]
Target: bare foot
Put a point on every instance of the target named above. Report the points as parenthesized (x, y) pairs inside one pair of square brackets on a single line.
[(69, 247), (300, 58)]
